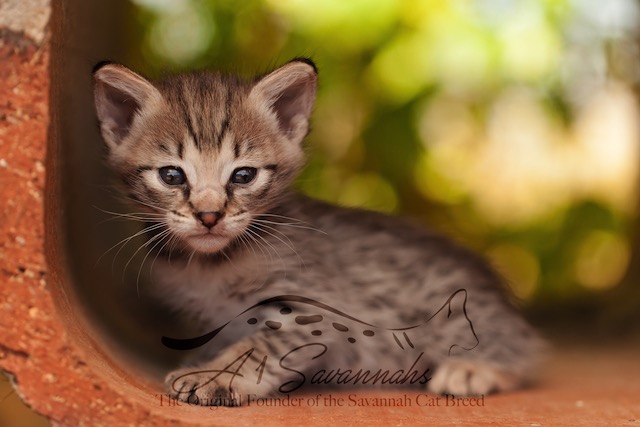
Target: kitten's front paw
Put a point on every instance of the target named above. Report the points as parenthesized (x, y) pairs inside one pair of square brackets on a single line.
[(201, 387), (470, 378)]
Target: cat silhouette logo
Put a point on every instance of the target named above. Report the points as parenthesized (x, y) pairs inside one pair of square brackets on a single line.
[(319, 351)]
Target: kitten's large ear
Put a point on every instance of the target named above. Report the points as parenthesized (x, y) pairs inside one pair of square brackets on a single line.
[(289, 92), (120, 95)]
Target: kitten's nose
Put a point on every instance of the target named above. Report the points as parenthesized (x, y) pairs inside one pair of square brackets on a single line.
[(209, 219)]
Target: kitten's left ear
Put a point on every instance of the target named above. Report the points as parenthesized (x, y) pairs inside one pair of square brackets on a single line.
[(289, 92)]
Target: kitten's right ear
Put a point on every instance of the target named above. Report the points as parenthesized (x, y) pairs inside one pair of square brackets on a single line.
[(120, 96)]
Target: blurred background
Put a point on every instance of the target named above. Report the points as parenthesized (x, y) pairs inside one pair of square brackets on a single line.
[(511, 125)]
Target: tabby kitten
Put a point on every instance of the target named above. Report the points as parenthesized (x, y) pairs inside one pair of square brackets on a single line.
[(296, 292)]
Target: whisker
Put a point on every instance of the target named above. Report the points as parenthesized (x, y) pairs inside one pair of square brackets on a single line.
[(288, 224), (284, 267), (146, 204), (134, 215), (140, 233), (168, 242), (191, 257), (128, 214), (128, 239), (172, 247), (265, 228), (282, 216), (243, 240), (295, 221), (132, 218), (233, 265), (150, 241), (252, 235), (164, 234), (289, 245), (246, 242)]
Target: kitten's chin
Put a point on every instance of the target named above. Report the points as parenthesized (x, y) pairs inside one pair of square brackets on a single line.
[(208, 243)]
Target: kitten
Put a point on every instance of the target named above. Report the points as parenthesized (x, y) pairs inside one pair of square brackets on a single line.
[(212, 157)]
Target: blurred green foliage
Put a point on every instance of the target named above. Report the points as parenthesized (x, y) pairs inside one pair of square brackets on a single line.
[(485, 118)]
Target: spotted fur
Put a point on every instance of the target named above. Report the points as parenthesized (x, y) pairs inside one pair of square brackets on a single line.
[(233, 245)]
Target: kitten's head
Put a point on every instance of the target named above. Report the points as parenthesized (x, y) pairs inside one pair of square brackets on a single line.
[(206, 152)]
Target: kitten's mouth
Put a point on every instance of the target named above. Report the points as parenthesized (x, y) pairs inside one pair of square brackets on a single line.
[(208, 241)]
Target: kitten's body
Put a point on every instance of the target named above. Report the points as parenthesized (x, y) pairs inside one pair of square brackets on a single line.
[(235, 243)]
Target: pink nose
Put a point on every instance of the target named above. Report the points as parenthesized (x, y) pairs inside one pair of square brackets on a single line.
[(209, 219)]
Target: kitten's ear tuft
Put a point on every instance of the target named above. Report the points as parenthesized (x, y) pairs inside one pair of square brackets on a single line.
[(120, 95), (100, 65), (307, 61), (289, 92)]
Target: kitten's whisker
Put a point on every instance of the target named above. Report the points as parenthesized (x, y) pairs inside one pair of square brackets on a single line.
[(139, 233), (265, 229), (250, 239), (132, 218), (159, 208), (168, 242), (288, 224), (282, 216), (149, 241), (190, 258), (172, 247), (296, 222), (144, 245), (261, 245), (246, 242), (164, 234), (225, 286), (133, 215), (128, 239), (275, 229), (243, 240), (284, 266), (249, 235)]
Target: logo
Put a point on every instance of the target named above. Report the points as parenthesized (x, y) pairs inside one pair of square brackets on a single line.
[(307, 342)]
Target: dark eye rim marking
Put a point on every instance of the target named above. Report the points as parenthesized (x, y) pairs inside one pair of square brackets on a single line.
[(252, 174), (181, 177)]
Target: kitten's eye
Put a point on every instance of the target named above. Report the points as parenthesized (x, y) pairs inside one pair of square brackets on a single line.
[(172, 175), (243, 175)]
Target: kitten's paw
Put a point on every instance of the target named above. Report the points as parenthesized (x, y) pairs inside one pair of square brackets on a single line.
[(200, 387), (470, 378)]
